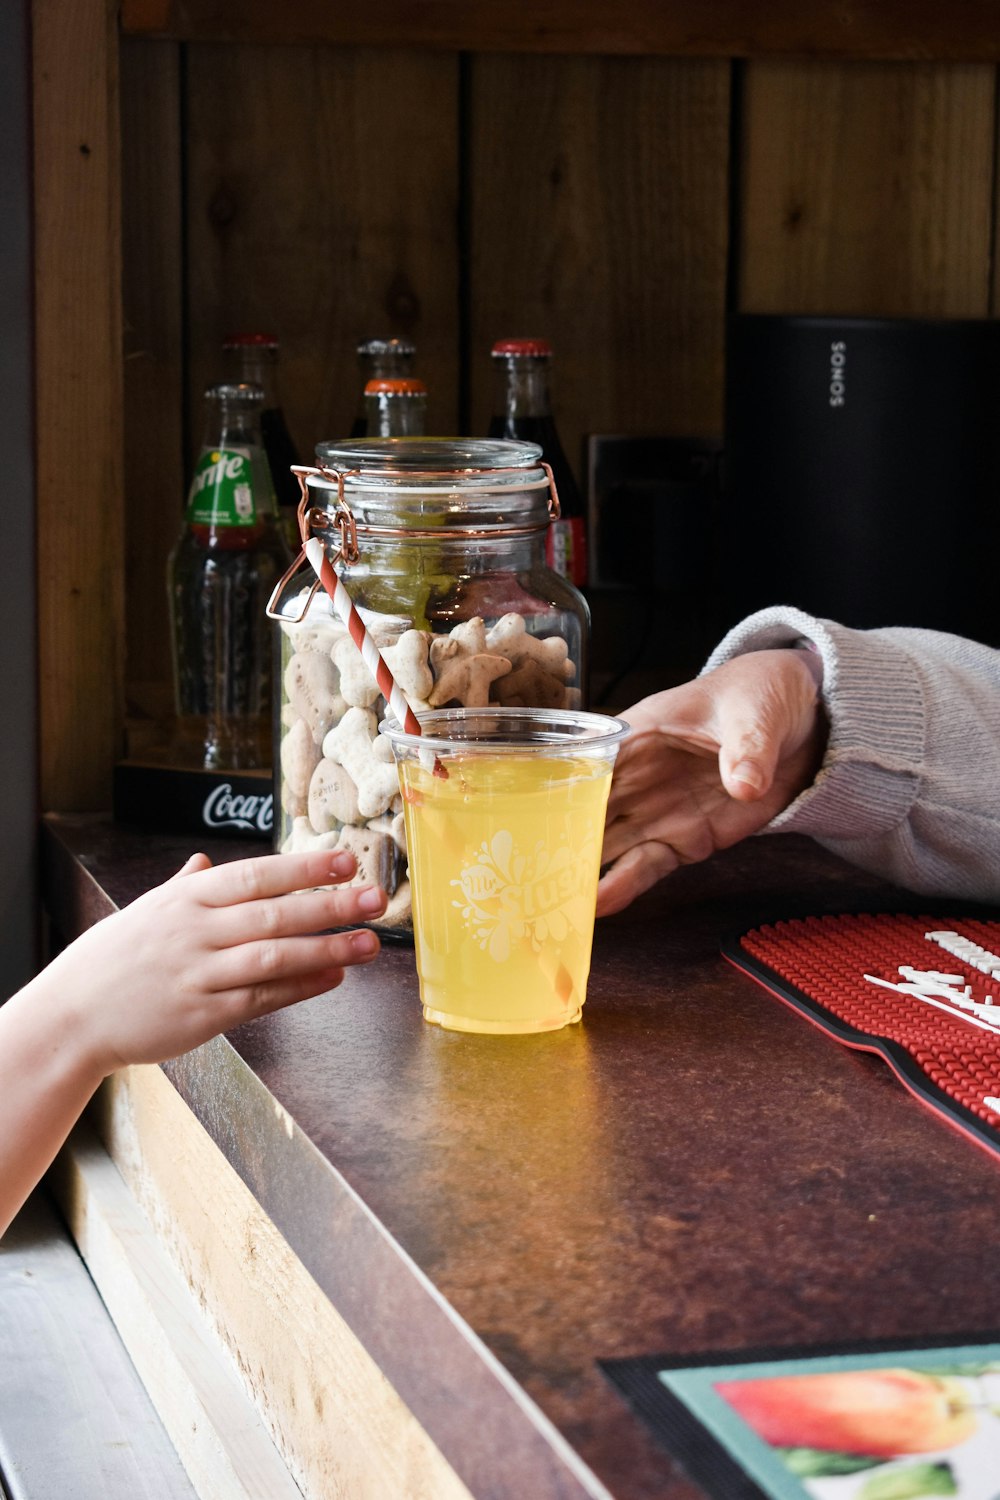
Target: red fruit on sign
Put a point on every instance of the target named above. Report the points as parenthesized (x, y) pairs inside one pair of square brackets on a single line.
[(881, 1413)]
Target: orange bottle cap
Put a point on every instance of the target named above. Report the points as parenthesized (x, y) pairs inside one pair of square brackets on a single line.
[(395, 385)]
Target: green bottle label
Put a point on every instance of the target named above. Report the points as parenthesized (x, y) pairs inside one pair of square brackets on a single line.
[(221, 491)]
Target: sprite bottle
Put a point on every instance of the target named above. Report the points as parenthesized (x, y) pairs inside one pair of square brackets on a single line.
[(221, 573)]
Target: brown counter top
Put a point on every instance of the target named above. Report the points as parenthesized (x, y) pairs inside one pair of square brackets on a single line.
[(693, 1168)]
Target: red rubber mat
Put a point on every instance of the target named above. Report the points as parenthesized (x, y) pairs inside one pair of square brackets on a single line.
[(920, 991)]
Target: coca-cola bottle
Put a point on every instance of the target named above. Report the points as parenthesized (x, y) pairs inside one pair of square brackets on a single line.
[(395, 407), (221, 574), (252, 359), (380, 358), (522, 409)]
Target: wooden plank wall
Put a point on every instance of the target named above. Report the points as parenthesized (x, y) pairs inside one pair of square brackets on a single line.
[(597, 204), (331, 194), (614, 204), (868, 188), (78, 414), (154, 371)]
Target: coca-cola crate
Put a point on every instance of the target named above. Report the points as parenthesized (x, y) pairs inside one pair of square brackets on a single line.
[(168, 799)]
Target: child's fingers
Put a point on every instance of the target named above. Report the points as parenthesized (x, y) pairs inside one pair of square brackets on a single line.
[(257, 977), (296, 914), (264, 999), (272, 875)]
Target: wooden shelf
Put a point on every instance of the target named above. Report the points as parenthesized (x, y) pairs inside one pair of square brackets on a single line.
[(964, 31)]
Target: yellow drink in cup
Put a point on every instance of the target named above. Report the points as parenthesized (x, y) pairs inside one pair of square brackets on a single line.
[(504, 814)]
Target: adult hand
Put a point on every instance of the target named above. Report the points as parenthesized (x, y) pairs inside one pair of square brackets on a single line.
[(208, 949), (707, 764)]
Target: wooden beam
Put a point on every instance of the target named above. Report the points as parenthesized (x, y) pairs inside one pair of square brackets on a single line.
[(965, 30), (233, 1338), (219, 1437), (78, 361), (18, 666)]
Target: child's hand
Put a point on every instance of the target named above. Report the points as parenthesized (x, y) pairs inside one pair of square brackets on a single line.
[(196, 956), (207, 950)]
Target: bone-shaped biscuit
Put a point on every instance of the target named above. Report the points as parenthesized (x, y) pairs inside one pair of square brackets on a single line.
[(304, 837), (408, 662), (351, 744), (311, 687), (467, 680), (376, 856), (399, 911), (530, 686), (512, 639), (357, 685), (299, 756), (333, 797), (463, 670), (470, 635)]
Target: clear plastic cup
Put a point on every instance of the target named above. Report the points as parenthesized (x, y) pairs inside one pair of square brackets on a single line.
[(504, 811)]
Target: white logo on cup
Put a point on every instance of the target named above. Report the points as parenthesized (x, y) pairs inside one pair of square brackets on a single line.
[(507, 897), (224, 809)]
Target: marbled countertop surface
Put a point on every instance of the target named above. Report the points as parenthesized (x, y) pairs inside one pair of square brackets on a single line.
[(694, 1168)]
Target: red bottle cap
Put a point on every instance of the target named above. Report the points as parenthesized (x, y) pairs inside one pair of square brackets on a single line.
[(251, 340), (541, 348), (395, 385)]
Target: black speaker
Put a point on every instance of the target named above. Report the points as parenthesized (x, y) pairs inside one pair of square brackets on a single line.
[(861, 470)]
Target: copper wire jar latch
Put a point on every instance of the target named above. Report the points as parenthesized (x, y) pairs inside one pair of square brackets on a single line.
[(317, 520)]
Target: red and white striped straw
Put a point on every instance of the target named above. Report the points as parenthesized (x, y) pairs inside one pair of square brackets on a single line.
[(376, 662)]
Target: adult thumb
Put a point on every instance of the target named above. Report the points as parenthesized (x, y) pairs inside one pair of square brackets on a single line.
[(749, 751), (764, 708)]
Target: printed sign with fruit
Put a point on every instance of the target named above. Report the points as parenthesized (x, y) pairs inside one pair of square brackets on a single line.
[(880, 1432)]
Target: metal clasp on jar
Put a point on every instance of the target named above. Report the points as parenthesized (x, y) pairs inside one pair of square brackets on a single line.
[(314, 520)]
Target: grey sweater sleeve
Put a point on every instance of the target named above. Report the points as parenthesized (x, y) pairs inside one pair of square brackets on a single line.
[(910, 783)]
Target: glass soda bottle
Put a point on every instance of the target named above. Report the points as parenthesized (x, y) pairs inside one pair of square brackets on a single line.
[(522, 410), (392, 358), (395, 407), (221, 573), (252, 359)]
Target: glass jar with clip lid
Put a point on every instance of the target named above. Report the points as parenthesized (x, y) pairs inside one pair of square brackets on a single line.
[(440, 543)]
